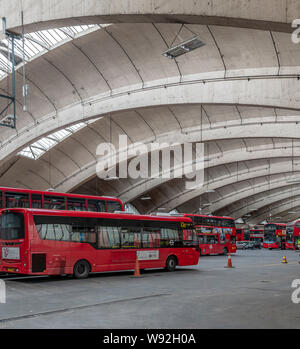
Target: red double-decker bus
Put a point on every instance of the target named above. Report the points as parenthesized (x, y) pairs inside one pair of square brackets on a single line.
[(50, 242), (257, 235), (274, 236), (223, 227), (24, 198), (293, 235), (242, 234)]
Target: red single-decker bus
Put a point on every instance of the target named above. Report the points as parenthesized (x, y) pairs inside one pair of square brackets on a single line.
[(50, 242)]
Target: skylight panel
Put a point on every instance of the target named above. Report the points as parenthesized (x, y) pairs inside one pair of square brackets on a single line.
[(40, 147)]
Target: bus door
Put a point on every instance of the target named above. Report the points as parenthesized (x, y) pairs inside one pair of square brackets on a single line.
[(12, 229), (215, 246)]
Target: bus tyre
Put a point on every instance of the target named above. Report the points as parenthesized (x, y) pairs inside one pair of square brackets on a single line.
[(171, 263), (81, 269), (225, 251)]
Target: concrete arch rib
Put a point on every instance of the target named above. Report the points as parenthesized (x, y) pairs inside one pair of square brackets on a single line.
[(216, 157), (277, 92), (286, 208), (260, 204), (250, 14)]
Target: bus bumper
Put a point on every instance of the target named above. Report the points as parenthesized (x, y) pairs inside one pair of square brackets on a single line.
[(13, 267)]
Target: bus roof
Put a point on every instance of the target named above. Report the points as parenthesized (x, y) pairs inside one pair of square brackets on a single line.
[(203, 215), (280, 224), (44, 212), (294, 222), (56, 193)]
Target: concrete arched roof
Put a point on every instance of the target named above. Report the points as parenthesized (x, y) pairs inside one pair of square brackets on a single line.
[(271, 15), (122, 75), (244, 83)]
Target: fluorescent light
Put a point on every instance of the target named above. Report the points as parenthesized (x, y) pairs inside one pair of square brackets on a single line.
[(183, 48), (292, 212), (146, 198), (209, 191)]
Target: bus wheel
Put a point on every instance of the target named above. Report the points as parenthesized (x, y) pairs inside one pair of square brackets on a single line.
[(225, 251), (171, 263), (81, 269)]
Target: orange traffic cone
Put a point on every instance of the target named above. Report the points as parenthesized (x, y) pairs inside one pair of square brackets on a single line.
[(284, 260), (229, 262), (137, 268)]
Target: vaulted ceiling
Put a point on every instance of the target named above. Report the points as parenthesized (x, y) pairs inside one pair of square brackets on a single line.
[(239, 95)]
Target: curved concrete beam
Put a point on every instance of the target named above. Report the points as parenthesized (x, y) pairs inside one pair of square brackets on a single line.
[(233, 155), (270, 92), (263, 187), (277, 208), (218, 183), (261, 203), (272, 15)]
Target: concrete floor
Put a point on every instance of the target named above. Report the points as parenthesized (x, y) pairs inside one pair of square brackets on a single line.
[(255, 294)]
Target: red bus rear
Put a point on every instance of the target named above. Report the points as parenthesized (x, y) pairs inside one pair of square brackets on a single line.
[(293, 235), (49, 242), (274, 236), (24, 198), (223, 226)]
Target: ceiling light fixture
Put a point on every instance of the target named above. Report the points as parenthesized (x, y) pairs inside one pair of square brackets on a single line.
[(146, 198), (183, 48)]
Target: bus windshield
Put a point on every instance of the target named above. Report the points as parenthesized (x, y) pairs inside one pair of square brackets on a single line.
[(12, 226), (269, 233), (289, 233)]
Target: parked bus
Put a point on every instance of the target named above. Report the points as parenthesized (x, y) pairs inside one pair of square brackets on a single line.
[(274, 236), (293, 235), (210, 243), (257, 235), (224, 227), (51, 242), (242, 234), (24, 198)]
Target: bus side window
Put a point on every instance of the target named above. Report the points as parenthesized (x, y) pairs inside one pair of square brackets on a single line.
[(151, 238), (96, 205), (170, 237), (75, 204), (54, 202), (108, 237), (16, 200), (112, 206), (36, 201), (131, 237)]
